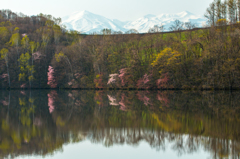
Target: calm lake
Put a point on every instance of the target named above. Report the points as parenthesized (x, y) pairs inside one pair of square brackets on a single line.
[(119, 124)]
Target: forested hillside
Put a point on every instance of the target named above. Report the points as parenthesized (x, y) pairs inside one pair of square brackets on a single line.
[(37, 53), (27, 46)]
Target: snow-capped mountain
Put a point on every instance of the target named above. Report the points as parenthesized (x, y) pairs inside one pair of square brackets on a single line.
[(87, 22), (143, 24)]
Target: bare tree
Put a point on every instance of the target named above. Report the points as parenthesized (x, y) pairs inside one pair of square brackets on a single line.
[(218, 8), (224, 10), (210, 14), (132, 31), (232, 8), (106, 31), (189, 25), (156, 29), (177, 26)]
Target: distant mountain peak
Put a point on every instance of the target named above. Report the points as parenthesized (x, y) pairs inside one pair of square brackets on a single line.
[(87, 22)]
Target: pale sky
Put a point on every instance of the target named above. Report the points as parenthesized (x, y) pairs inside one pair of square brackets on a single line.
[(123, 10)]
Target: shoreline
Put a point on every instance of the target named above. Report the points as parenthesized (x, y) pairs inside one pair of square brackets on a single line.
[(130, 89)]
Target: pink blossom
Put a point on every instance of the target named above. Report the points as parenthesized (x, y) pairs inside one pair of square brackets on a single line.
[(77, 103), (71, 95), (163, 99), (162, 82), (37, 55), (77, 75), (4, 75), (23, 93), (51, 79), (112, 78), (123, 106), (144, 99), (24, 34), (121, 75), (4, 102), (23, 85), (143, 81), (112, 100), (146, 78), (51, 100)]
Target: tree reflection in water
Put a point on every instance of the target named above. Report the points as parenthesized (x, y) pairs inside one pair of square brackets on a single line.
[(40, 122)]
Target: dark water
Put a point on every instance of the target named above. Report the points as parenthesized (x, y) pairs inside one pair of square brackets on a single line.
[(119, 124)]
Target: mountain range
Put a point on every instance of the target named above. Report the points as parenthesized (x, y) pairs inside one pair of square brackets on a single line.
[(87, 22)]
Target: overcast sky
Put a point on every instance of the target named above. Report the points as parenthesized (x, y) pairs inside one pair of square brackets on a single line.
[(114, 9)]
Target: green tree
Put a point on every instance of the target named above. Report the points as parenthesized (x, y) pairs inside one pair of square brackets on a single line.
[(25, 68), (25, 42), (14, 40), (33, 46), (4, 55)]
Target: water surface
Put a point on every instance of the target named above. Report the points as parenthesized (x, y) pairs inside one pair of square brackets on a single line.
[(119, 124)]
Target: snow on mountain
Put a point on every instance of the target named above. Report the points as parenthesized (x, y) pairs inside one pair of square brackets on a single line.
[(88, 22), (143, 24)]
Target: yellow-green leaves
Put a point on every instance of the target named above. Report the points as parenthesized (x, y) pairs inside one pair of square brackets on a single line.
[(3, 32), (24, 59), (25, 68), (49, 23), (45, 37), (14, 41), (21, 76), (5, 144), (25, 42), (16, 29), (59, 56), (221, 22), (57, 32), (33, 46), (167, 56), (174, 58), (4, 53)]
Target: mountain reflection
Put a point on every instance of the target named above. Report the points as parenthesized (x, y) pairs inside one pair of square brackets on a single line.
[(40, 122)]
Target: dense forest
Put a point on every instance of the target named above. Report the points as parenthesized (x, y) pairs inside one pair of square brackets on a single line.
[(37, 52)]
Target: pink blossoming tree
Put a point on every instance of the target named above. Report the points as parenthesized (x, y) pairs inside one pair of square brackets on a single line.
[(142, 82), (142, 97), (123, 106), (51, 79), (163, 99), (112, 101), (162, 82), (51, 100), (122, 75), (112, 78)]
